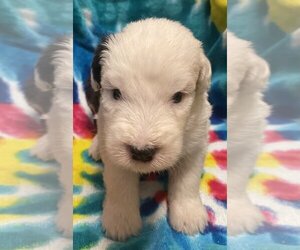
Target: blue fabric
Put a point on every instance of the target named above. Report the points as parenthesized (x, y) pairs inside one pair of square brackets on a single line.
[(32, 185)]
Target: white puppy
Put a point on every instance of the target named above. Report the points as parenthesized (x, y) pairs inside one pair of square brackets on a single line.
[(247, 77), (51, 94), (153, 79)]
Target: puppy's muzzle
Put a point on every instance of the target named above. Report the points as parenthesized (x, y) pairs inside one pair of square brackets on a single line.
[(144, 155)]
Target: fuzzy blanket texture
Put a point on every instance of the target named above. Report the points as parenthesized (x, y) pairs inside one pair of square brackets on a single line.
[(29, 188)]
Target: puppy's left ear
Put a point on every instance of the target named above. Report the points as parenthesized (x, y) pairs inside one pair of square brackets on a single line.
[(204, 78)]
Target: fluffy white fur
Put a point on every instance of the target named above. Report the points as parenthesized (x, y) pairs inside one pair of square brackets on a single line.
[(247, 77), (57, 142), (149, 61)]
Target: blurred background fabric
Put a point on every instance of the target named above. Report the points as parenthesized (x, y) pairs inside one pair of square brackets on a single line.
[(273, 27), (29, 188), (94, 19)]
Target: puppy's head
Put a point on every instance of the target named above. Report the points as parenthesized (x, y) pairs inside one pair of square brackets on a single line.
[(55, 66), (52, 75), (247, 72), (149, 76)]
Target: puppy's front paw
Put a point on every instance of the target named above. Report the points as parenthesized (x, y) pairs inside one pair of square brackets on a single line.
[(243, 216), (94, 151), (121, 223), (64, 216), (188, 216), (42, 149)]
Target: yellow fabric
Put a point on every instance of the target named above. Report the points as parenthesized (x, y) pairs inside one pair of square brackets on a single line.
[(79, 165), (9, 217), (10, 164), (204, 183), (267, 160), (256, 183), (285, 14), (219, 14), (210, 162)]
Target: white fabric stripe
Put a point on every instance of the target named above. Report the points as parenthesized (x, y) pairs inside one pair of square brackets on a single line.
[(281, 146), (217, 146), (60, 243), (220, 174), (87, 219), (103, 244), (25, 191), (220, 212), (19, 99), (27, 219), (289, 175), (82, 98), (286, 215)]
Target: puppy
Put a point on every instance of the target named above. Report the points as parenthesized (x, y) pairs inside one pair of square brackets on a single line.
[(151, 82), (247, 78), (51, 94)]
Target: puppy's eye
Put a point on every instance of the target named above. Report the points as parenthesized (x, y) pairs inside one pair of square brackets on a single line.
[(116, 94), (177, 97)]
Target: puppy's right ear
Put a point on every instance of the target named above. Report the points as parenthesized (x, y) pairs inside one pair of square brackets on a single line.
[(96, 64), (93, 85)]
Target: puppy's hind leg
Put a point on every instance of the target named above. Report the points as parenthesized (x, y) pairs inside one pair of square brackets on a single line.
[(60, 129), (64, 217)]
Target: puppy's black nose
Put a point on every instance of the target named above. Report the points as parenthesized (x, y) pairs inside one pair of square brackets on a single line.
[(145, 154)]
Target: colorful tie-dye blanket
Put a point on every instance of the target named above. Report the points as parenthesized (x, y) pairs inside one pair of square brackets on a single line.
[(275, 188), (275, 183), (93, 20), (29, 188), (89, 193)]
